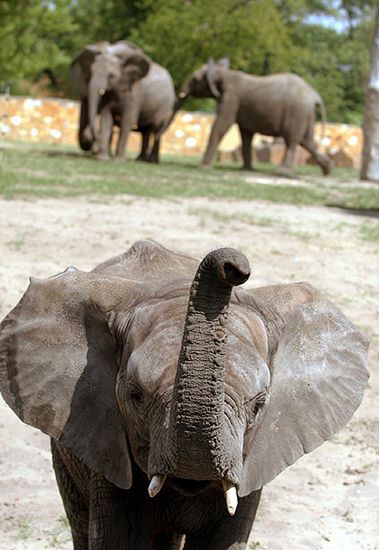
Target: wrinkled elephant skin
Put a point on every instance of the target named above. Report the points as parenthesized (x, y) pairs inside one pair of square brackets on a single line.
[(172, 395)]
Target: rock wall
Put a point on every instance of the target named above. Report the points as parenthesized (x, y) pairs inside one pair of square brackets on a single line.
[(51, 120)]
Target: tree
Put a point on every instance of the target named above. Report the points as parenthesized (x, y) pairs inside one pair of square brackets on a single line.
[(370, 157), (182, 35), (34, 39)]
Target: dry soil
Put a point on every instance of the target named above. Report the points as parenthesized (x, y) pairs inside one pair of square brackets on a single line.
[(329, 499)]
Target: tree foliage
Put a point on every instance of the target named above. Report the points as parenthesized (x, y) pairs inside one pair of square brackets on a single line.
[(259, 36)]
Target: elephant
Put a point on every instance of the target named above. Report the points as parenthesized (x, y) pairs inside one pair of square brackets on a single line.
[(121, 83), (279, 105), (172, 395)]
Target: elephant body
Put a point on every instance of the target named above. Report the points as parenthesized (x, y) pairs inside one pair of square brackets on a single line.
[(279, 105), (104, 517), (149, 107), (121, 84), (172, 396)]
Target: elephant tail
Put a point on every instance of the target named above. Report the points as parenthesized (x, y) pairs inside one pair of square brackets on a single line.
[(321, 105), (178, 104)]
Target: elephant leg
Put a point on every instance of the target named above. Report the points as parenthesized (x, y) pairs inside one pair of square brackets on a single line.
[(106, 124), (227, 533), (154, 154), (128, 119), (84, 134), (286, 168), (225, 117), (246, 138), (322, 160), (117, 518), (73, 501), (144, 145)]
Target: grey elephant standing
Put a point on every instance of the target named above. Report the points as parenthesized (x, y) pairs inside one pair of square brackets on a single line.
[(172, 396), (121, 83), (280, 105)]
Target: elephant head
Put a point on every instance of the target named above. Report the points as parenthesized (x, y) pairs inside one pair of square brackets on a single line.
[(105, 67), (206, 81), (152, 360)]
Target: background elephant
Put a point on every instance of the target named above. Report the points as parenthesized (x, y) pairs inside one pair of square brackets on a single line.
[(126, 88), (166, 391), (281, 104)]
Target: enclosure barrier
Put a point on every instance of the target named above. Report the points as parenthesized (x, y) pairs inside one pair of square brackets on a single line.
[(53, 120)]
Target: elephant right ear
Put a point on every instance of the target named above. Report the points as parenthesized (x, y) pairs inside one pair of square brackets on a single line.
[(80, 68), (58, 365)]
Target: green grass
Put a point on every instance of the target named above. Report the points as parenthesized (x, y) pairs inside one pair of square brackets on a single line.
[(369, 231), (52, 171)]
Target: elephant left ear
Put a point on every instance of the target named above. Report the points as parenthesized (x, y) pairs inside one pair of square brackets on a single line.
[(211, 77), (318, 376)]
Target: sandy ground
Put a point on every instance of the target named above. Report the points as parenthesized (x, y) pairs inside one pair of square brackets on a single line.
[(328, 499)]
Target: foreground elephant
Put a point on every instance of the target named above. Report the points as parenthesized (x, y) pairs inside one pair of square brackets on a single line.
[(281, 104), (166, 392), (121, 83)]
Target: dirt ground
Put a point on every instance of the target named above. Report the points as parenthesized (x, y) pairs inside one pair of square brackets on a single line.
[(328, 499)]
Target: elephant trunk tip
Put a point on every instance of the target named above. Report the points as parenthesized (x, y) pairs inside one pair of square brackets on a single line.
[(234, 275), (233, 267)]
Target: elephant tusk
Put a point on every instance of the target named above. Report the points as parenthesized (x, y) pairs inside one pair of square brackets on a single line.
[(182, 95), (231, 497), (156, 484), (101, 91)]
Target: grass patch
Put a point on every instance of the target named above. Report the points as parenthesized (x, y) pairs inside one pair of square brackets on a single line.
[(24, 529), (16, 245), (56, 171), (61, 534), (369, 231), (237, 217)]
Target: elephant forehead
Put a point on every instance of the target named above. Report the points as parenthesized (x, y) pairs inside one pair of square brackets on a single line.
[(156, 338), (151, 318), (106, 60), (153, 363)]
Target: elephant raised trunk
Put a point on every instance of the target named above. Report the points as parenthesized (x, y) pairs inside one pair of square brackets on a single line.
[(198, 444)]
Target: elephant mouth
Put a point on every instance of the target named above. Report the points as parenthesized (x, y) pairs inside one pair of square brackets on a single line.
[(188, 487), (192, 487)]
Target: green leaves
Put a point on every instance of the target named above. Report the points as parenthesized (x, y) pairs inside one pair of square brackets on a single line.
[(259, 36)]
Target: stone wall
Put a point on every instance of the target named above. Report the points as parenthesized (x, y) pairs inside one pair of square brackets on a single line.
[(51, 120)]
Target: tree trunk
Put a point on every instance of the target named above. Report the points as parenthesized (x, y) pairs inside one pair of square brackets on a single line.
[(370, 155)]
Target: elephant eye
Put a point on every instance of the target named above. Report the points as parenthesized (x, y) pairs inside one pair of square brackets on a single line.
[(253, 411), (260, 401), (134, 394)]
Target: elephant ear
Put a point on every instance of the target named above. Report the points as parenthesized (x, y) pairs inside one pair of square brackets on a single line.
[(80, 68), (135, 67), (318, 375), (151, 262), (211, 77), (224, 63), (58, 365)]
